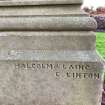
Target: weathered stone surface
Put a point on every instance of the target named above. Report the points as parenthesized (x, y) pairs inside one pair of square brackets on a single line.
[(47, 54), (42, 10), (41, 86), (50, 55), (37, 2), (51, 23), (65, 40), (51, 80)]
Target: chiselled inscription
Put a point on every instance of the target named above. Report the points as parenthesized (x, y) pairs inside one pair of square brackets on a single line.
[(51, 66), (68, 70)]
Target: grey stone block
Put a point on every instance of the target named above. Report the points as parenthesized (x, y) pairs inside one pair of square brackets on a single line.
[(51, 78), (50, 55), (42, 10), (37, 2), (64, 40), (51, 23), (47, 54)]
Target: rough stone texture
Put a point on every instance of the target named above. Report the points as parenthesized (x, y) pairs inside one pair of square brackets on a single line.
[(48, 60), (50, 55), (51, 23), (48, 78), (42, 10), (26, 85), (65, 40), (37, 2)]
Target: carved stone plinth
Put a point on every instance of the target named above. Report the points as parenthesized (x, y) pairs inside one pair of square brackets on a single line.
[(48, 54)]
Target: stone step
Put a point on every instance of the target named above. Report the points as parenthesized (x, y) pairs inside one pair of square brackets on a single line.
[(61, 40), (37, 2), (42, 10), (49, 23)]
